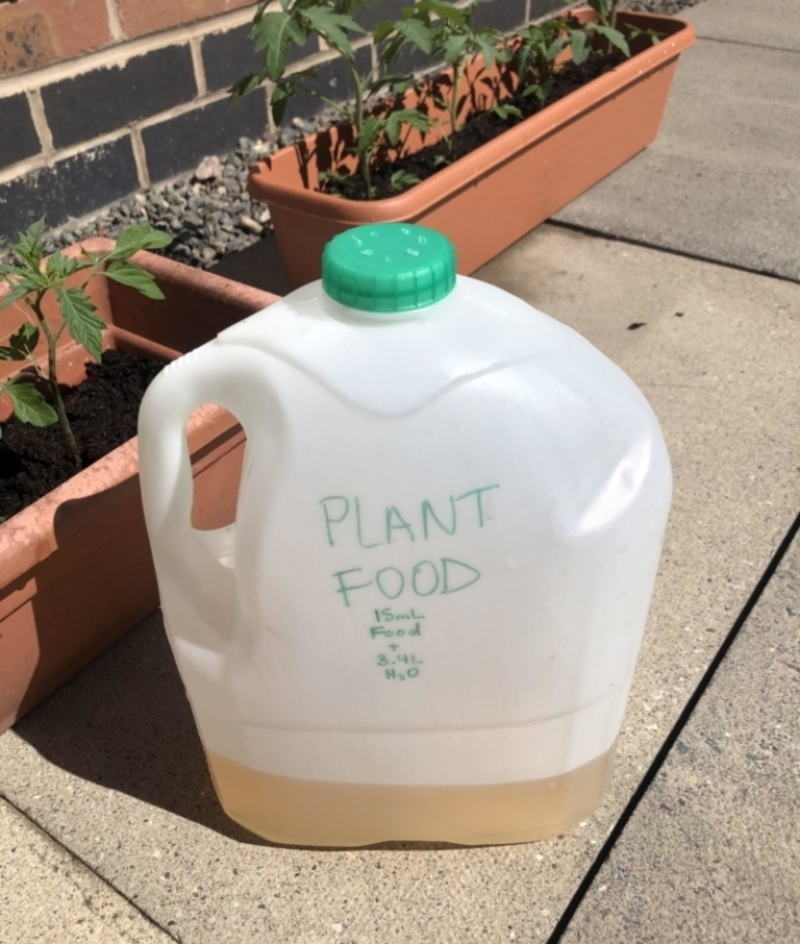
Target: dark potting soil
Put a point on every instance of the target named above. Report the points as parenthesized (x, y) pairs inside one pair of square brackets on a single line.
[(482, 128), (102, 411)]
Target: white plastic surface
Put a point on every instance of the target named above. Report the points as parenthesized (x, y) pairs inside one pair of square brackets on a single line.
[(447, 535)]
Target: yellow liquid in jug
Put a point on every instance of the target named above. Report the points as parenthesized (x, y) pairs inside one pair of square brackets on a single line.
[(315, 813)]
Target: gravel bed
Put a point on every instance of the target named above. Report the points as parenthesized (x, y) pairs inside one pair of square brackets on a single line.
[(669, 7), (209, 212)]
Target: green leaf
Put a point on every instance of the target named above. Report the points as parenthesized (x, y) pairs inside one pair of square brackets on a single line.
[(25, 340), (580, 46), (331, 27), (417, 119), (8, 270), (281, 94), (126, 273), (600, 7), (19, 289), (394, 125), (29, 405), (93, 258), (244, 86), (382, 30), (30, 247), (653, 35), (613, 36), (405, 116), (274, 33), (504, 112), (556, 47), (417, 33), (454, 49), (370, 129), (488, 50), (60, 266), (11, 354), (400, 180), (523, 61), (83, 324), (399, 86), (445, 11), (503, 53), (134, 238)]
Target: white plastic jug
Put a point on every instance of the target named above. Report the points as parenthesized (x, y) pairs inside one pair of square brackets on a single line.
[(424, 622)]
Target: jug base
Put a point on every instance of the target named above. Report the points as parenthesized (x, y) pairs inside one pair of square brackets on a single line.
[(316, 813)]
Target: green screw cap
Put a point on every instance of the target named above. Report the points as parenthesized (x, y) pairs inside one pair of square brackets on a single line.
[(389, 267)]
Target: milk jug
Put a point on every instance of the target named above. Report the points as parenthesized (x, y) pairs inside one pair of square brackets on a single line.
[(424, 622)]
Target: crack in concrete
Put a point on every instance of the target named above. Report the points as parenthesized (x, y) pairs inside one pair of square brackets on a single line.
[(644, 244), (670, 741), (73, 855), (740, 42)]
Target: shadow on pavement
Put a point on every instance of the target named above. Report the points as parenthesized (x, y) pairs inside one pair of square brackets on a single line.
[(124, 723)]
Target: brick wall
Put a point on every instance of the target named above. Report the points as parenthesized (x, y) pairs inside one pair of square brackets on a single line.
[(100, 98)]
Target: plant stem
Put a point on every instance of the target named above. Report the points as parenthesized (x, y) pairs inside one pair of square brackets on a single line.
[(613, 22), (454, 108), (52, 381), (363, 157)]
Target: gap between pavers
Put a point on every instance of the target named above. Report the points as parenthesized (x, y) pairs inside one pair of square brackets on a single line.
[(722, 179), (712, 854), (716, 357), (48, 897)]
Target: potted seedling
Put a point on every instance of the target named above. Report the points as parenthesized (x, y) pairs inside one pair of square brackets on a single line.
[(372, 129), (75, 565), (575, 97), (32, 279)]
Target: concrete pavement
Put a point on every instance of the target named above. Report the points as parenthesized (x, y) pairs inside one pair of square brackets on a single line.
[(111, 767), (46, 894), (722, 180), (712, 854)]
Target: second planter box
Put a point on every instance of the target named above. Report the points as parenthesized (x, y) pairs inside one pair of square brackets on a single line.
[(490, 198)]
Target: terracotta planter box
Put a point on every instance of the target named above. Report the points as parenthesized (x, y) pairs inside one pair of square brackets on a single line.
[(75, 566), (487, 200)]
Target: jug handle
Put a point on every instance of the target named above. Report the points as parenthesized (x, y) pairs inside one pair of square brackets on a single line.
[(226, 375)]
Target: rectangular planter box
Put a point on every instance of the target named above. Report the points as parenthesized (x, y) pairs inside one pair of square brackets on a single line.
[(487, 200), (75, 566)]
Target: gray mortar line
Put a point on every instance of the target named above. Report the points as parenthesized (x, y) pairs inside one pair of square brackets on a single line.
[(114, 22), (198, 66), (140, 158), (40, 123)]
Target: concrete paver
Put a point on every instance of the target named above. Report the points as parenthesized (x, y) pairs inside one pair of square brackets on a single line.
[(717, 359), (48, 897), (712, 854), (774, 23), (722, 180)]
